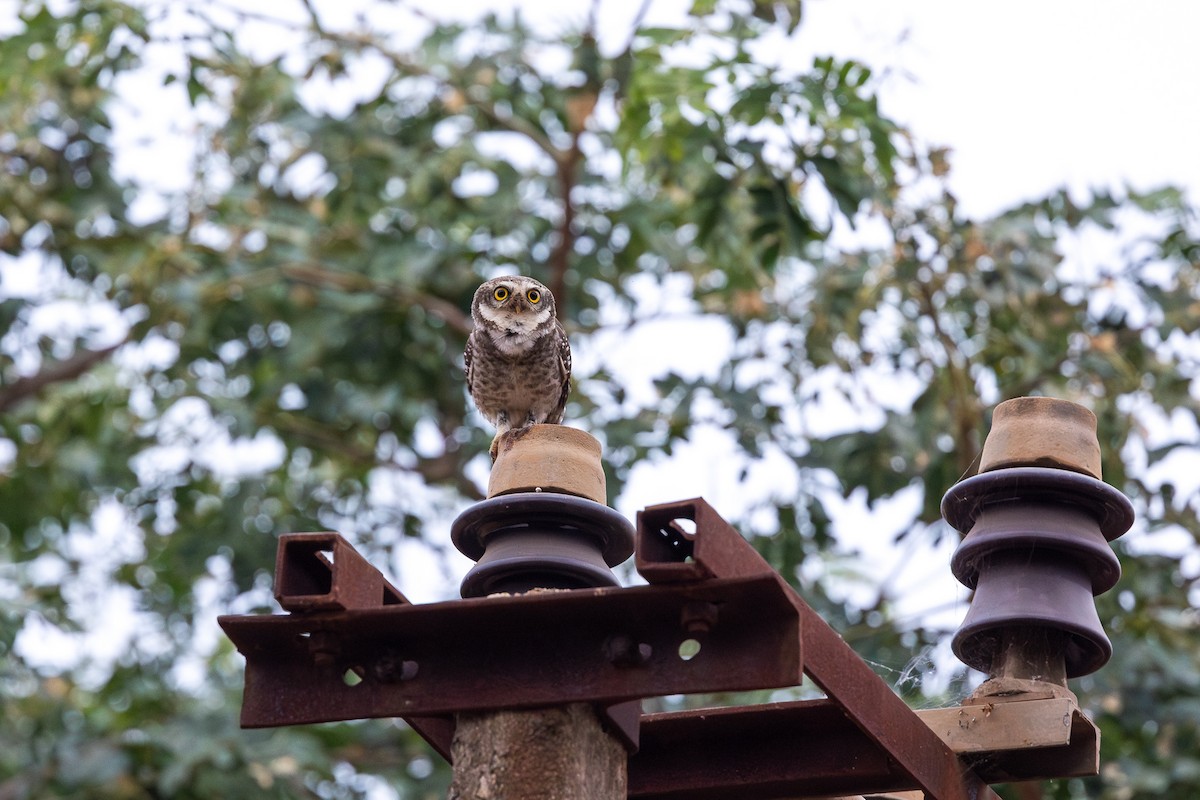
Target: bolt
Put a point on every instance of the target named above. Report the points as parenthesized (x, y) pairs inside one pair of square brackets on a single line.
[(324, 648), (625, 651), (699, 616), (392, 668)]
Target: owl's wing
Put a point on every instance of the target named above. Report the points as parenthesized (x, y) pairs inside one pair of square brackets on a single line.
[(564, 361), (468, 358)]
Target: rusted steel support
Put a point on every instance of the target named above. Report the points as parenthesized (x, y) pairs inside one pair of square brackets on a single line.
[(777, 750), (881, 714), (780, 750), (520, 651), (814, 749), (322, 572), (715, 617), (666, 551)]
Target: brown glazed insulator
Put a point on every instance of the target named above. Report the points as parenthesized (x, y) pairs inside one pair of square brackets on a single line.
[(1036, 552), (1038, 522), (540, 540), (544, 524)]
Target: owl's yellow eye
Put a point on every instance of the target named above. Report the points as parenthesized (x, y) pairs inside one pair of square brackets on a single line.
[(533, 296), (501, 294)]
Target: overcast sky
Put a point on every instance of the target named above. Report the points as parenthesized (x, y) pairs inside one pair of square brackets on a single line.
[(1030, 95), (1035, 95)]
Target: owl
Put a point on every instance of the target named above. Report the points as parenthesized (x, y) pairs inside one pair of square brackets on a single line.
[(518, 359)]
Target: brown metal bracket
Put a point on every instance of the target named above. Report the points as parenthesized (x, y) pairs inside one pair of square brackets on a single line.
[(337, 659), (813, 749), (714, 618), (804, 749), (668, 551), (322, 572), (688, 541), (520, 651)]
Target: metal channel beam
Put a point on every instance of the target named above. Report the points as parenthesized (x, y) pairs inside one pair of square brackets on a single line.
[(524, 651), (880, 713), (780, 750), (814, 749), (322, 572)]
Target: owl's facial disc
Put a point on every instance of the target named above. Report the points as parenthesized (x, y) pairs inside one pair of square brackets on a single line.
[(516, 318)]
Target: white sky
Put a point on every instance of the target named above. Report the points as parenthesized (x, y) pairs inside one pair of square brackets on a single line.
[(1035, 95), (1030, 95)]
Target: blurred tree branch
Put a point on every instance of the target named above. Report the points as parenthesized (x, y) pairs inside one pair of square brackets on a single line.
[(321, 277), (57, 372)]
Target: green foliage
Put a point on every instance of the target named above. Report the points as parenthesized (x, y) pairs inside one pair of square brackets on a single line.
[(274, 344)]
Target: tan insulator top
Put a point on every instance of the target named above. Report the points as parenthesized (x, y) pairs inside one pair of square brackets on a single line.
[(1042, 432), (549, 458)]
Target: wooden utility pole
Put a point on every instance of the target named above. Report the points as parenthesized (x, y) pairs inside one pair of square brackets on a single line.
[(544, 754)]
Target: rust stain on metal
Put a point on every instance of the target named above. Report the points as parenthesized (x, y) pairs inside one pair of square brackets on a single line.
[(689, 542)]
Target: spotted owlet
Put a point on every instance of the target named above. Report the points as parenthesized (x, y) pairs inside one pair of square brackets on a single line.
[(518, 359)]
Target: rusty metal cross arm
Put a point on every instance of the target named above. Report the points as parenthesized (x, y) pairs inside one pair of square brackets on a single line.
[(354, 647)]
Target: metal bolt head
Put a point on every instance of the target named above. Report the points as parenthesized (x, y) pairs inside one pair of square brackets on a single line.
[(391, 667), (699, 617), (625, 651), (324, 648)]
